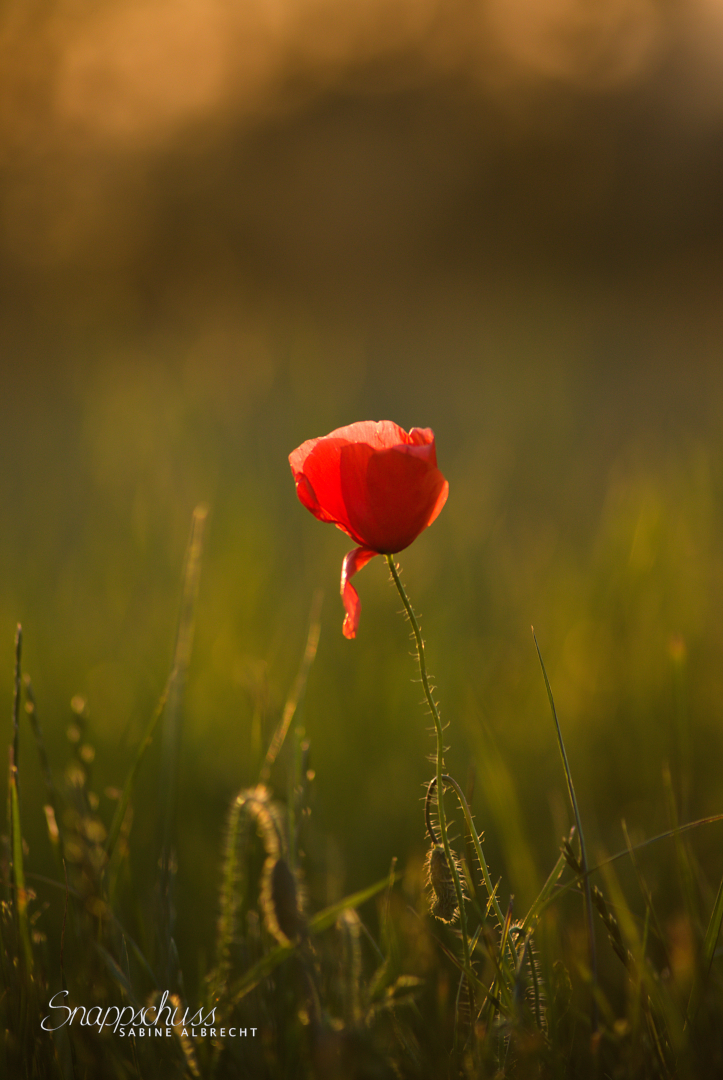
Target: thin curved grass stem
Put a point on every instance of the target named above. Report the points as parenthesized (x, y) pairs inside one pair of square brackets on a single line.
[(419, 641)]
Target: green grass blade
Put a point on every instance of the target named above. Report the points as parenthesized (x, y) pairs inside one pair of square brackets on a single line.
[(484, 992), (390, 965), (53, 817), (706, 961), (172, 714), (118, 975), (16, 696), (19, 897), (663, 1014), (578, 823), (683, 861), (122, 805), (503, 803), (545, 893), (322, 921), (326, 918), (180, 662), (20, 902), (711, 936), (298, 689), (554, 894), (645, 892), (32, 714)]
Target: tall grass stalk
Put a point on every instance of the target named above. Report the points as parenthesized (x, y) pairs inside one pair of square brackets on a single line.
[(17, 867), (16, 694), (171, 736), (296, 695), (52, 815), (709, 948), (172, 714), (583, 853)]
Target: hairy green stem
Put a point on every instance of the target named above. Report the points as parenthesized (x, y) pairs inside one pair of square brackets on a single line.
[(434, 709), (491, 891)]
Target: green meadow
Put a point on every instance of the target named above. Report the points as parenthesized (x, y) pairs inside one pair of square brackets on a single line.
[(535, 275)]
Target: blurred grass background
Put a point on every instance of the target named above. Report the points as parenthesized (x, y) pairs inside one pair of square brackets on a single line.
[(227, 228)]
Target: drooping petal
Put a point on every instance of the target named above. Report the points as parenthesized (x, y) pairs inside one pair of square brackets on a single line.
[(354, 561)]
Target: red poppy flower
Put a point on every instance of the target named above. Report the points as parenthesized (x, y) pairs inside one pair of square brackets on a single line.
[(375, 482)]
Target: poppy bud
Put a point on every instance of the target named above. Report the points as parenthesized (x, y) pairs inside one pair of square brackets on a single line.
[(439, 876)]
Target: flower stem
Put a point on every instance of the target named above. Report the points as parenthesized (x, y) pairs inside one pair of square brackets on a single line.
[(440, 770)]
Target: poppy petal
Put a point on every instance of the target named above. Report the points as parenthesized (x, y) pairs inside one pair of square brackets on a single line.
[(441, 500), (315, 466), (379, 434), (389, 495), (353, 563)]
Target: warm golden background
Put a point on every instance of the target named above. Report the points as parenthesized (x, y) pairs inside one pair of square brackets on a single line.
[(226, 227)]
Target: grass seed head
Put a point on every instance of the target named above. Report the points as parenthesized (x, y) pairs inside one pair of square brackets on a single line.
[(280, 901)]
